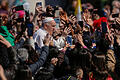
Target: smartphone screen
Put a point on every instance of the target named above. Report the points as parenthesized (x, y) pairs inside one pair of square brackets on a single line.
[(30, 29), (81, 24), (57, 20), (39, 4), (69, 40), (57, 13), (104, 27)]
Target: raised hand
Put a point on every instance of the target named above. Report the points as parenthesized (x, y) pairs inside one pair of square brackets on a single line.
[(66, 31), (54, 61), (80, 39), (72, 19), (47, 40)]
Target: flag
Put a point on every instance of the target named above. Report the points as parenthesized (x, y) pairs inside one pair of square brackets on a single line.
[(78, 10)]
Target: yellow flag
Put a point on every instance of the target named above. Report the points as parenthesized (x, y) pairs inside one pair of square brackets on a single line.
[(78, 10)]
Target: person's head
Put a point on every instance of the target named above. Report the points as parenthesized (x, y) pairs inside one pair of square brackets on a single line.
[(4, 4), (99, 61), (44, 74), (22, 55), (107, 7), (23, 73), (49, 11), (53, 52), (116, 3), (3, 17), (40, 18), (115, 10), (74, 3), (99, 66), (49, 25), (95, 15), (61, 58)]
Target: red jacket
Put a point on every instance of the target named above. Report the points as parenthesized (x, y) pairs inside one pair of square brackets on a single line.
[(97, 23)]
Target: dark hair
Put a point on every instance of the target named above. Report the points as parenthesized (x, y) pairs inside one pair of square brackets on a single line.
[(53, 52), (100, 70), (44, 74), (23, 73), (81, 58), (4, 7), (99, 60), (102, 45)]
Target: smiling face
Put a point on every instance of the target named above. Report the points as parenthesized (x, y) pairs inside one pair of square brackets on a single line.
[(50, 26)]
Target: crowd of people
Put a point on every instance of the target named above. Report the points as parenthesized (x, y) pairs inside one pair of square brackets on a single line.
[(53, 44)]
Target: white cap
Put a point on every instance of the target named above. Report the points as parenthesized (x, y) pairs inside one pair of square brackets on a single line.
[(48, 19), (26, 6)]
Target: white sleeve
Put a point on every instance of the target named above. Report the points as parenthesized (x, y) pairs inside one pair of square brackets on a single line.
[(39, 41)]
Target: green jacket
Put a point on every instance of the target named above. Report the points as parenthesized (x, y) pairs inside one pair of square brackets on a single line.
[(9, 37)]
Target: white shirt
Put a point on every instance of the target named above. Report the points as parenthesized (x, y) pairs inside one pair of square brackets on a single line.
[(39, 36), (59, 43)]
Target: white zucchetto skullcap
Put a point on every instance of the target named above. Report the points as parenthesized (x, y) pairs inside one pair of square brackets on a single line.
[(48, 19)]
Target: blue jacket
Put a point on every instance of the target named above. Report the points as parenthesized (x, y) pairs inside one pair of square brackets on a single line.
[(44, 53)]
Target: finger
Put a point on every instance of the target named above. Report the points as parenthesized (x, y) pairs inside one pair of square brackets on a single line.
[(73, 17), (65, 29), (69, 32), (1, 37), (68, 28), (53, 59), (2, 41), (70, 16)]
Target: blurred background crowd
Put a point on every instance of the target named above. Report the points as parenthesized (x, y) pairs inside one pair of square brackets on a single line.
[(64, 40)]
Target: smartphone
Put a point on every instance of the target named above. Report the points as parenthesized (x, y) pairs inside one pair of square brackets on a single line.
[(18, 8), (39, 4), (104, 27), (69, 40), (30, 29), (57, 13), (80, 23), (91, 10), (115, 15), (57, 20)]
